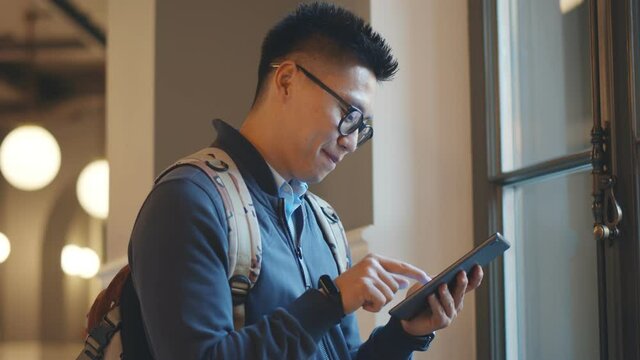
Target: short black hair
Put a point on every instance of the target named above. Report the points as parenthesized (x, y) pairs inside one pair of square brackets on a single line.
[(328, 30)]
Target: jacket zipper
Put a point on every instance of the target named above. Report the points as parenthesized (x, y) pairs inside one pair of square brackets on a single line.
[(296, 249), (297, 252), (324, 353)]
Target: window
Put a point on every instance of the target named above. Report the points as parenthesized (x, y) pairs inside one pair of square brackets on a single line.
[(543, 75)]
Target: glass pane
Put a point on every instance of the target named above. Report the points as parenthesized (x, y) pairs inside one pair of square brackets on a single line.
[(551, 288), (545, 80)]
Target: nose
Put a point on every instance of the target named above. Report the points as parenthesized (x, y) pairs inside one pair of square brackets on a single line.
[(349, 142)]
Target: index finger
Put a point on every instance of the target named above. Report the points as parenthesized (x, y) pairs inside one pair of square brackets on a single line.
[(476, 278), (403, 268), (460, 288)]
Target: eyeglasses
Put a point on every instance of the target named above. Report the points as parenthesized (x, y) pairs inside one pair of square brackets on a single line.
[(352, 120)]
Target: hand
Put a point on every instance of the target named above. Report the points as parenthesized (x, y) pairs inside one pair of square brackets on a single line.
[(372, 282), (444, 308)]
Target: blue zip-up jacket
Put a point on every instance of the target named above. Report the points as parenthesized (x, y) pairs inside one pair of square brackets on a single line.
[(178, 259)]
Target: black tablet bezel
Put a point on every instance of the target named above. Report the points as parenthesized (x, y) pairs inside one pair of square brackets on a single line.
[(483, 254)]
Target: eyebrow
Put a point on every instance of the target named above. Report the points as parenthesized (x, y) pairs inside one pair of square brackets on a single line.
[(359, 106), (356, 104), (342, 99)]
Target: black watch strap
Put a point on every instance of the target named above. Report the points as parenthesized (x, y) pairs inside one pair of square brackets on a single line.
[(429, 339), (330, 289), (326, 283)]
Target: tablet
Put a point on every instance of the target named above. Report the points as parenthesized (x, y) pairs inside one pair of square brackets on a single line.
[(481, 255)]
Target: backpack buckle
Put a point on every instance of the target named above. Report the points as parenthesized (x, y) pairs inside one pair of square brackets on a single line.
[(217, 165), (100, 336), (330, 214), (240, 286)]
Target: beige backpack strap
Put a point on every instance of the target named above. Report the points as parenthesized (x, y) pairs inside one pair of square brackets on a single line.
[(245, 244), (333, 230)]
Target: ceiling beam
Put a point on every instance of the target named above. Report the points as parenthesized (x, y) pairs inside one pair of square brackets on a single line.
[(82, 20)]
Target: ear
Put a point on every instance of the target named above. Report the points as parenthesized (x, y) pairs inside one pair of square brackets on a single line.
[(283, 78)]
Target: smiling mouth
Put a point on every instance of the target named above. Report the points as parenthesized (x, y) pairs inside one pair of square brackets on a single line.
[(334, 159)]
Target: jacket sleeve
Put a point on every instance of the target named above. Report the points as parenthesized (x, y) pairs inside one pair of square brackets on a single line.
[(178, 257), (389, 342)]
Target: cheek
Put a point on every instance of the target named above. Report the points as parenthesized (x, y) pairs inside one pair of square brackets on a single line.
[(320, 127), (313, 127)]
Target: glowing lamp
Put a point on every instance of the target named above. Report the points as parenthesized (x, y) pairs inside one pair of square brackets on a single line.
[(5, 248), (92, 189), (79, 261), (29, 157)]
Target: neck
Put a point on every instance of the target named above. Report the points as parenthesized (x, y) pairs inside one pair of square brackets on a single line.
[(258, 129)]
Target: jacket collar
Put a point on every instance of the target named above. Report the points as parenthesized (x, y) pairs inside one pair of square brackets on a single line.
[(249, 161)]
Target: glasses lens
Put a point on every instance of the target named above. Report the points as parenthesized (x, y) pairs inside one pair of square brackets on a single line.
[(350, 122), (365, 134)]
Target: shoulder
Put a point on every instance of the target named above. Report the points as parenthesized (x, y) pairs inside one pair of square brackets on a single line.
[(183, 211), (188, 184), (188, 174)]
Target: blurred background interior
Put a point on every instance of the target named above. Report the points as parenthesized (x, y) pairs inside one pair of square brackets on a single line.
[(485, 128), (52, 97)]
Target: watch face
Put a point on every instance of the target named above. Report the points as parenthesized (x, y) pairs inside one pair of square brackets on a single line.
[(328, 285), (430, 338), (331, 291)]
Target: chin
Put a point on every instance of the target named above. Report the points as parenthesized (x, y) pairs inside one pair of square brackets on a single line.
[(315, 177), (315, 172)]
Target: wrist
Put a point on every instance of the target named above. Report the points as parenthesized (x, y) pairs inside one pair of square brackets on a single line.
[(412, 331), (427, 338), (329, 289)]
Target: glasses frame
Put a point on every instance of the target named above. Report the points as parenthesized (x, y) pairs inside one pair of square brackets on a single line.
[(363, 126)]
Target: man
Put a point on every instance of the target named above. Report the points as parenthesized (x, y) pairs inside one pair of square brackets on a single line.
[(318, 73)]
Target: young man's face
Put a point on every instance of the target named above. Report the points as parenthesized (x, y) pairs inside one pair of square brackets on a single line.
[(313, 145)]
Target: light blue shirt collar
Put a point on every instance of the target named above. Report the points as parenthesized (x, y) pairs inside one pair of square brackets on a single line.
[(291, 192)]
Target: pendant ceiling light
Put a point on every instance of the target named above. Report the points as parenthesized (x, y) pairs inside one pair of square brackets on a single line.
[(79, 261), (5, 248), (29, 157), (92, 189)]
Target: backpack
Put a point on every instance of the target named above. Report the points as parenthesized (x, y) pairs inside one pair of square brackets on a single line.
[(104, 321)]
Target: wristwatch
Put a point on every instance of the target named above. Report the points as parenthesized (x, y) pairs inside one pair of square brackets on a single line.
[(429, 339), (326, 284)]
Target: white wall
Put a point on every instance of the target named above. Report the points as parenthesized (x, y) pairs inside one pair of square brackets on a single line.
[(130, 115), (422, 150)]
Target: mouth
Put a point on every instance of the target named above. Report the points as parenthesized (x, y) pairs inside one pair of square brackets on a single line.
[(331, 157)]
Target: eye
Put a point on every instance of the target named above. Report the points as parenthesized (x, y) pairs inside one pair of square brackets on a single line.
[(352, 118), (351, 121)]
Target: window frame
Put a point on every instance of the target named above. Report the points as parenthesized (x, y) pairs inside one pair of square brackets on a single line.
[(616, 85)]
